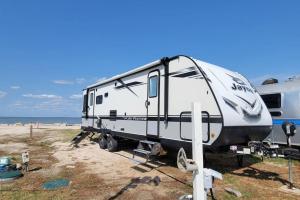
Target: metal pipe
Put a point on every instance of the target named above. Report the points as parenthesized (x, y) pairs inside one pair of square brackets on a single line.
[(199, 192)]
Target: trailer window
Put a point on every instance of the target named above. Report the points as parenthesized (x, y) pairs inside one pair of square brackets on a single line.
[(272, 100), (153, 82), (275, 114), (91, 99), (99, 99)]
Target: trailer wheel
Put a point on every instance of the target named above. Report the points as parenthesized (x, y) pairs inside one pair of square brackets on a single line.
[(112, 144), (102, 143)]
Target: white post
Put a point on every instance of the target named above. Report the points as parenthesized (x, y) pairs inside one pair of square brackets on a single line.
[(198, 176)]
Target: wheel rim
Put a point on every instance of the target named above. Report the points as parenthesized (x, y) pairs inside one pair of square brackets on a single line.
[(109, 144), (103, 143)]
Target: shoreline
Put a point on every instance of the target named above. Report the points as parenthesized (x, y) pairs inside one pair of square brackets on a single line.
[(40, 120), (38, 124)]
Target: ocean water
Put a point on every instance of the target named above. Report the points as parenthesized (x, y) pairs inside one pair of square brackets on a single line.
[(45, 120)]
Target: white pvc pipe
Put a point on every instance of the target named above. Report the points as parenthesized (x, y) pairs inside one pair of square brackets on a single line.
[(198, 176)]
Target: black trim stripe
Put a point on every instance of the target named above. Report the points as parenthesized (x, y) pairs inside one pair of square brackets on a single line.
[(198, 76), (187, 74), (155, 118), (126, 86), (131, 84), (250, 104)]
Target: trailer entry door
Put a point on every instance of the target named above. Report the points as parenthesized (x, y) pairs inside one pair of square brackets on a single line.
[(91, 105), (152, 104)]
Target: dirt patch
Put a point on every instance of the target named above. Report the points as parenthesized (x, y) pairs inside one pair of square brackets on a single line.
[(13, 147)]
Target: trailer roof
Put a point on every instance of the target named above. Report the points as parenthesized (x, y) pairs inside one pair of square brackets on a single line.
[(135, 70), (279, 87)]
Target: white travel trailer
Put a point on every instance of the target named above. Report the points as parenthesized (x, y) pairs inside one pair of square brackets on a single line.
[(153, 103), (283, 102)]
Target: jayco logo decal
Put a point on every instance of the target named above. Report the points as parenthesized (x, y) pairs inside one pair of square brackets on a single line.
[(239, 85)]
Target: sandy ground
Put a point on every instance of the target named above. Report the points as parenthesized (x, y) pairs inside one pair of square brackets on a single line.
[(109, 166), (10, 133), (23, 131), (99, 174)]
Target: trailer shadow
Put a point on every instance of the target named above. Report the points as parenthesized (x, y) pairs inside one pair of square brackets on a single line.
[(135, 182), (223, 163), (228, 164), (252, 172)]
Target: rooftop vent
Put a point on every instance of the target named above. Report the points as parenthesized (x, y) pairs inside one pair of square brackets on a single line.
[(293, 78), (270, 81)]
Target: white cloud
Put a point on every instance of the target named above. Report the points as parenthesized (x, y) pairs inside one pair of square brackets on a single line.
[(42, 96), (2, 94), (46, 107), (63, 82), (80, 80), (15, 87), (53, 104), (17, 104), (57, 105), (76, 96)]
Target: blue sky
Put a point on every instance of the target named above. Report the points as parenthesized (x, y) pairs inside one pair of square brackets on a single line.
[(50, 50)]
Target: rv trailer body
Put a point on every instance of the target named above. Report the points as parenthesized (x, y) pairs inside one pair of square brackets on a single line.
[(283, 102), (153, 102)]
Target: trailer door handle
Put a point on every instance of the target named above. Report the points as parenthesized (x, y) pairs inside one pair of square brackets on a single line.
[(147, 103)]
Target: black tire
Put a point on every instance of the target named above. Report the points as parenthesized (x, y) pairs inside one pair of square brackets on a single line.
[(112, 144), (102, 143)]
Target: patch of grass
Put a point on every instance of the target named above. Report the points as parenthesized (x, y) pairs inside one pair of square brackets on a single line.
[(227, 196), (252, 159), (69, 134), (5, 187), (280, 161), (44, 144), (230, 179), (35, 195)]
